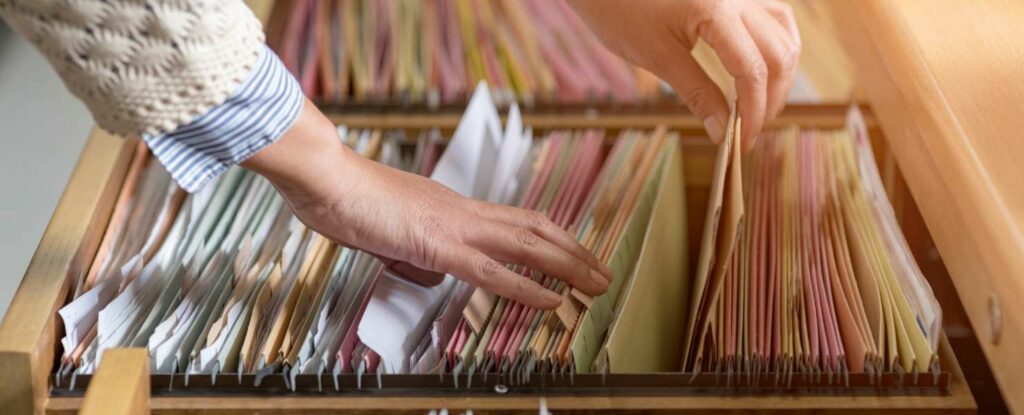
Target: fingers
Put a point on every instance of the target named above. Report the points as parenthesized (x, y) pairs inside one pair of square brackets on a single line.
[(540, 225), (521, 246), (742, 59), (529, 238), (783, 13), (779, 53), (482, 271), (700, 94)]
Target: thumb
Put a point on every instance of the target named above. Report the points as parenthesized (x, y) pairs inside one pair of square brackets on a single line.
[(700, 94)]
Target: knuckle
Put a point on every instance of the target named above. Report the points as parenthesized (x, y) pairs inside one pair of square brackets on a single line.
[(779, 61), (427, 248), (523, 238), (707, 14), (787, 11), (535, 220), (487, 268), (698, 98), (790, 57), (784, 12), (430, 253), (523, 286), (757, 71)]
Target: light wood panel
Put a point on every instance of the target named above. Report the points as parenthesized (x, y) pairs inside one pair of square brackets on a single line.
[(28, 334), (121, 384), (958, 402), (823, 61), (946, 82), (819, 116)]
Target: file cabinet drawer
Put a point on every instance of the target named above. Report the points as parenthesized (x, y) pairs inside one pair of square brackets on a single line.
[(29, 335)]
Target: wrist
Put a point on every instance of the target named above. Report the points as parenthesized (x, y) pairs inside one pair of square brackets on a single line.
[(308, 160)]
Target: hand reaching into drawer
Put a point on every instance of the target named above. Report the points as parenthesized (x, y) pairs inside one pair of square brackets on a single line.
[(407, 219), (198, 122), (757, 42)]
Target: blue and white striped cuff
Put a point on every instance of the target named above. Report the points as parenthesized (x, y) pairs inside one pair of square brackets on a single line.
[(264, 107)]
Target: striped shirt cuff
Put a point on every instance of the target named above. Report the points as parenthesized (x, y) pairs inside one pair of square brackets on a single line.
[(263, 108)]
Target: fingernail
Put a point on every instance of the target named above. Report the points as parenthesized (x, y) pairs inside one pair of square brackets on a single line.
[(551, 297), (714, 126), (602, 282), (607, 272)]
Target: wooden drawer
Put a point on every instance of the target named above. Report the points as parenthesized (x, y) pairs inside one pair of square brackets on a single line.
[(949, 104), (949, 98), (29, 335)]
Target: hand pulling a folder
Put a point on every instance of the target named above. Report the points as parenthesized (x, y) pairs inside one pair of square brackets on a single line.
[(548, 52)]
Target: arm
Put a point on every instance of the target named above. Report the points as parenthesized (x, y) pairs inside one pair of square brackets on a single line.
[(207, 94), (411, 219), (143, 68)]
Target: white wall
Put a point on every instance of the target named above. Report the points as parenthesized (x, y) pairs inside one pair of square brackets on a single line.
[(42, 131)]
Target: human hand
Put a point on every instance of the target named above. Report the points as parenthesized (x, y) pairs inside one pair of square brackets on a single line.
[(405, 218), (756, 40)]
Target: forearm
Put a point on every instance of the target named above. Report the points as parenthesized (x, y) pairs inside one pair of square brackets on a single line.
[(257, 114)]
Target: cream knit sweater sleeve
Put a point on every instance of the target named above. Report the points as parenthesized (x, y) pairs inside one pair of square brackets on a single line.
[(143, 67)]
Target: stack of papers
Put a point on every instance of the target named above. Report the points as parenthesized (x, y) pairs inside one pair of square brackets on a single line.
[(435, 52), (802, 266), (606, 198), (603, 195), (227, 279)]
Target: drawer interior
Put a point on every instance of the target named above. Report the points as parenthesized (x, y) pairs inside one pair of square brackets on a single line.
[(946, 390)]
